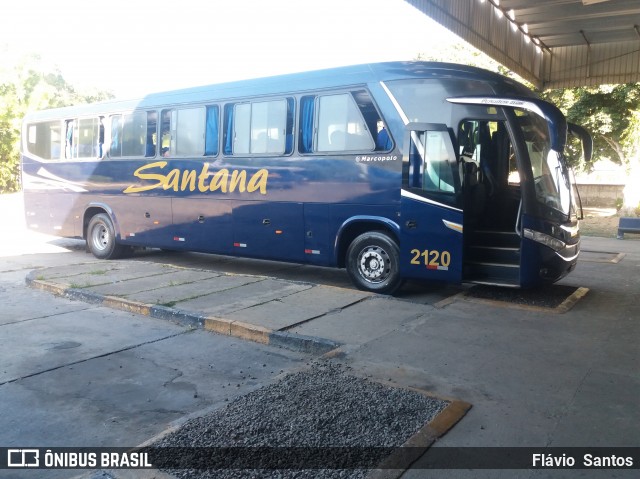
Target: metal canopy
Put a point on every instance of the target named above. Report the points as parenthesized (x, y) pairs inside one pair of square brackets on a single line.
[(551, 43)]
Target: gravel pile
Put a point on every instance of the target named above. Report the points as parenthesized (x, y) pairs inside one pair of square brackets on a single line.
[(312, 414)]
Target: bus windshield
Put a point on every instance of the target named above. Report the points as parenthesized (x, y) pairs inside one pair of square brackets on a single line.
[(551, 178)]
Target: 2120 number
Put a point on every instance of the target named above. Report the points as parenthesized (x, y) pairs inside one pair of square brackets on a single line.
[(433, 258)]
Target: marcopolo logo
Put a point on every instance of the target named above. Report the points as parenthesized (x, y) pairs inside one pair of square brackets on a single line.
[(23, 458)]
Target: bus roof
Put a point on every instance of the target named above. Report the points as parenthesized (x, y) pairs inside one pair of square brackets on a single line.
[(287, 84)]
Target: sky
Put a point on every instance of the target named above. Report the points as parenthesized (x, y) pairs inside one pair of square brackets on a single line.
[(134, 47)]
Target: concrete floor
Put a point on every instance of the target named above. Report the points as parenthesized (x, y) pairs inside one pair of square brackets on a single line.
[(535, 379)]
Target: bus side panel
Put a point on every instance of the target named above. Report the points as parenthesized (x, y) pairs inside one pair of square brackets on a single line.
[(144, 221), (49, 199), (429, 249), (268, 230), (318, 243), (61, 208), (203, 224), (36, 210)]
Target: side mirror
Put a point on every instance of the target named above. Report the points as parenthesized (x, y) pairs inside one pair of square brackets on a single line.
[(585, 138)]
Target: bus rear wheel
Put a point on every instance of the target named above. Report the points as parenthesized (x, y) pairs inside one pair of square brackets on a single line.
[(101, 238), (373, 263)]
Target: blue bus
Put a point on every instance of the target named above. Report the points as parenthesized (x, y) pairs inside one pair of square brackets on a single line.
[(397, 170)]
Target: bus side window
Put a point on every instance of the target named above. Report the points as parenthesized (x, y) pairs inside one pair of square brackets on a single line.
[(432, 162), (188, 131), (261, 127), (45, 139), (341, 122), (87, 138), (134, 134), (128, 134), (440, 163), (182, 132), (340, 125), (373, 121)]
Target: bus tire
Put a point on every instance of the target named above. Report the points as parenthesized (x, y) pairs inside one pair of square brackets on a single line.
[(101, 238), (373, 263)]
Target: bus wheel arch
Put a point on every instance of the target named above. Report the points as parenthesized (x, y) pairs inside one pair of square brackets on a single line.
[(352, 229), (371, 255), (101, 235)]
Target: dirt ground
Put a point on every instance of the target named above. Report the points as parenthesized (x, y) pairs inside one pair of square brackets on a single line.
[(601, 222)]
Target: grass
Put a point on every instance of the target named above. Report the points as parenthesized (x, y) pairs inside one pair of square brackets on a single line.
[(98, 272)]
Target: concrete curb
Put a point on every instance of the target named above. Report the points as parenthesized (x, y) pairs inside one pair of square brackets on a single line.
[(238, 329), (423, 439)]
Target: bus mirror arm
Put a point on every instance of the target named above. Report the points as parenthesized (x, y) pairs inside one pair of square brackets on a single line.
[(585, 138), (575, 185), (587, 151)]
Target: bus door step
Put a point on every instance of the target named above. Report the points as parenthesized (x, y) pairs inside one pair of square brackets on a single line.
[(503, 239), (493, 254), (502, 274)]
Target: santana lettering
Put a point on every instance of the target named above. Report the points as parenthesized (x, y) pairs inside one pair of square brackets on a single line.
[(222, 180)]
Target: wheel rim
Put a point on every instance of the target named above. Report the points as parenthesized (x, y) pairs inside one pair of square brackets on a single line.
[(100, 237), (374, 264)]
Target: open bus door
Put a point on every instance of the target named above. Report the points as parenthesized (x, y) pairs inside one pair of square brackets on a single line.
[(431, 217)]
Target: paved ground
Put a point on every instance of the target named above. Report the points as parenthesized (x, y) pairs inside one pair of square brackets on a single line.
[(534, 378)]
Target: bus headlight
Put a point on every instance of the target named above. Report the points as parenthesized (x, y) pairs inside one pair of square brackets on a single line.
[(545, 239)]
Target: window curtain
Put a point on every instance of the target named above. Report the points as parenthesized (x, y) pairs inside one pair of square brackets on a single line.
[(306, 124), (211, 134), (228, 135)]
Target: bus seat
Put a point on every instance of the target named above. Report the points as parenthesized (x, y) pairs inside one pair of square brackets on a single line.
[(150, 148), (383, 141)]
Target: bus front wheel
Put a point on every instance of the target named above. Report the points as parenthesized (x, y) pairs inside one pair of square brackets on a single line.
[(101, 238), (373, 263)]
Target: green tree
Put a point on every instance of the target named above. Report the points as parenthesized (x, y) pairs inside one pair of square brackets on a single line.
[(611, 113), (24, 87)]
